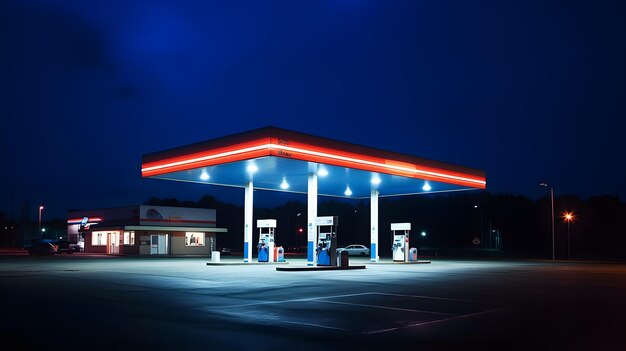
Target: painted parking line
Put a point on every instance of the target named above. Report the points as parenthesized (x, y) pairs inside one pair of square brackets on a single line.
[(291, 300), (248, 316), (316, 325), (388, 308), (396, 317), (421, 324), (342, 296), (431, 298)]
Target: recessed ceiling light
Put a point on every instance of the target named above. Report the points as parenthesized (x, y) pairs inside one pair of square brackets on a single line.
[(426, 186), (204, 175), (348, 192), (252, 168)]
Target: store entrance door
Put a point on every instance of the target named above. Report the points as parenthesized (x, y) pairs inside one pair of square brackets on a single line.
[(114, 243), (158, 244)]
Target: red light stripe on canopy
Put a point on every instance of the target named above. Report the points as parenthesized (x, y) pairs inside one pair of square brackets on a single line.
[(311, 153), (232, 153), (373, 164)]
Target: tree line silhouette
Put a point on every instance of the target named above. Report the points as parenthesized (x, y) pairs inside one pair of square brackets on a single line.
[(507, 225)]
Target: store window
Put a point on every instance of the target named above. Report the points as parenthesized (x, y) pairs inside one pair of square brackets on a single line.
[(98, 238), (129, 238), (194, 239)]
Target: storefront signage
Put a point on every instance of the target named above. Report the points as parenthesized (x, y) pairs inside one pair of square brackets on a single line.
[(176, 216)]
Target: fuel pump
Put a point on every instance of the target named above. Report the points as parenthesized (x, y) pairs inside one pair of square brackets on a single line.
[(266, 240), (400, 245), (327, 240)]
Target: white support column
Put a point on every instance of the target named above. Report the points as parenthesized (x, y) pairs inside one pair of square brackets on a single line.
[(311, 216), (248, 228), (374, 226)]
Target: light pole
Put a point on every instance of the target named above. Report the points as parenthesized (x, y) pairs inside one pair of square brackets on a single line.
[(39, 228), (423, 239), (297, 243), (552, 212), (480, 230), (568, 217), (298, 232)]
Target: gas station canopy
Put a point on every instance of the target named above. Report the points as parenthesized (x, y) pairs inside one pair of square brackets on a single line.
[(280, 160)]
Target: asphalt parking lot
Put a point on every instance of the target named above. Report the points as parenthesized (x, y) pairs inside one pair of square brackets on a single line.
[(103, 302)]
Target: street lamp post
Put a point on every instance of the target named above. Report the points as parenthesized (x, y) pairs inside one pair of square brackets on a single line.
[(39, 228), (298, 233), (480, 229), (568, 217), (552, 212), (297, 243)]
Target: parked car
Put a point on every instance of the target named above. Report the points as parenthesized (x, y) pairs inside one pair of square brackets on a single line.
[(355, 250), (64, 246), (41, 249), (224, 251)]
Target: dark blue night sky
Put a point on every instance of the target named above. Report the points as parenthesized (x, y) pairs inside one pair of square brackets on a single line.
[(526, 90)]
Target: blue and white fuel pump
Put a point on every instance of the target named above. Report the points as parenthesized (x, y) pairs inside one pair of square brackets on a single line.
[(400, 245), (266, 240), (327, 240)]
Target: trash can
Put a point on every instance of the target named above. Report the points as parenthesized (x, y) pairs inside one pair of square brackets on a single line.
[(280, 254), (343, 259), (215, 256), (413, 255)]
